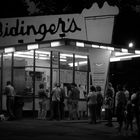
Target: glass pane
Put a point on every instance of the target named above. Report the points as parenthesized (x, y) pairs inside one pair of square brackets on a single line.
[(66, 76), (42, 73), (7, 63), (55, 59), (81, 81), (81, 62), (42, 58), (23, 76), (55, 76), (66, 61)]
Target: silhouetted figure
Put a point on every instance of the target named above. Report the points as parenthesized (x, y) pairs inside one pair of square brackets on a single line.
[(92, 104), (10, 101), (43, 95), (99, 102), (121, 104)]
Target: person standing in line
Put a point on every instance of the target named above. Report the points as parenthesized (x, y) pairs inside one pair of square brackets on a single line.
[(129, 115), (99, 102), (62, 105), (126, 92), (69, 102), (43, 95), (55, 104), (109, 106), (121, 107), (92, 104), (10, 100), (75, 100), (136, 103)]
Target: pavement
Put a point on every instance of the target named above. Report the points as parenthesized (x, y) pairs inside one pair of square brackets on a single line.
[(34, 129)]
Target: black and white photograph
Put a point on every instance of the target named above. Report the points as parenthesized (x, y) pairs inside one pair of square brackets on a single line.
[(69, 69)]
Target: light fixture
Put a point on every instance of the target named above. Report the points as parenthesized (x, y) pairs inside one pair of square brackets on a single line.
[(32, 46), (110, 48), (121, 54), (55, 44), (124, 50), (137, 51), (95, 46), (80, 44), (9, 50), (131, 45), (103, 47)]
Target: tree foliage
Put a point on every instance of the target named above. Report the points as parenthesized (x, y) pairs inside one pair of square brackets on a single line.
[(51, 7)]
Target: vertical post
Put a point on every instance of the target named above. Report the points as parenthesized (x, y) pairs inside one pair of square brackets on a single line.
[(12, 68), (1, 89), (34, 84), (88, 71), (73, 68), (59, 65), (51, 79)]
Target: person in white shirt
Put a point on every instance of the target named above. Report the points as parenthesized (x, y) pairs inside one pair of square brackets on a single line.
[(92, 104), (55, 105), (10, 101)]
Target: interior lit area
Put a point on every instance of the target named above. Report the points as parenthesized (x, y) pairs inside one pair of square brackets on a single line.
[(63, 61)]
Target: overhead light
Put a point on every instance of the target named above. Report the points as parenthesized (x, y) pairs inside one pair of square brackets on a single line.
[(55, 44), (78, 63), (95, 46), (121, 54), (103, 47), (114, 59), (80, 56), (63, 60), (110, 48), (125, 50), (80, 44), (130, 45), (32, 46), (9, 50), (137, 51)]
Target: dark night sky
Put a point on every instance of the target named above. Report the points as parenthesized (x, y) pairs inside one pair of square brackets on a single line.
[(126, 29), (126, 25)]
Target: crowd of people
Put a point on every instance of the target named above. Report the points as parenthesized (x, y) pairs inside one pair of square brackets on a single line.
[(121, 103), (126, 106)]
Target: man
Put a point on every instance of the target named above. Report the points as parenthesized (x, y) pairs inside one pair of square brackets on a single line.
[(62, 105), (75, 100), (10, 93), (55, 105)]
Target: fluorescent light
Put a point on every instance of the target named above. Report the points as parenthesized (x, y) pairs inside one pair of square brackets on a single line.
[(55, 44), (137, 51), (110, 48), (63, 60), (103, 47), (131, 56), (42, 52), (95, 46), (67, 55), (114, 59), (121, 58), (125, 50), (80, 44), (30, 56), (121, 54), (78, 63), (32, 46), (80, 56), (9, 50)]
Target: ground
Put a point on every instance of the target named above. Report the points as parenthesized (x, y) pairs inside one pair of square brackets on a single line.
[(64, 130)]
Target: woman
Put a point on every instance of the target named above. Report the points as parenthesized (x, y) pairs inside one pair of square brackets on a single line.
[(92, 104), (42, 102)]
